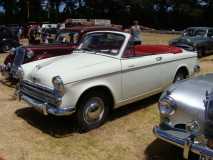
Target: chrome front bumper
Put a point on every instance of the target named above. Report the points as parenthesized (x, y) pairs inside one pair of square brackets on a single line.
[(185, 141), (46, 108)]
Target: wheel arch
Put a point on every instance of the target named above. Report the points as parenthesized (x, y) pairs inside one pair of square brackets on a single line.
[(106, 90), (182, 68)]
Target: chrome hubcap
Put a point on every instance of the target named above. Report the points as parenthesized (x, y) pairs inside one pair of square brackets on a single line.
[(94, 110)]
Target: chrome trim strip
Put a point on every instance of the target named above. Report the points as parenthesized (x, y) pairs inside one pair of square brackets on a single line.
[(39, 92), (127, 70), (38, 85), (41, 107), (90, 78), (154, 64), (195, 148)]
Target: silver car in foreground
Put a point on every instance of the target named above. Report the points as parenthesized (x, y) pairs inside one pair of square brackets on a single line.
[(186, 116)]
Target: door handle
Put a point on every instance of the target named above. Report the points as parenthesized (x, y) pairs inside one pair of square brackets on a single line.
[(158, 58)]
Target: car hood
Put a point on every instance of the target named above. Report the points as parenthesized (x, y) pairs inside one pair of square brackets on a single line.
[(73, 68), (192, 92)]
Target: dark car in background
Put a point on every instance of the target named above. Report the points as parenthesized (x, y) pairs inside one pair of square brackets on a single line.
[(8, 37), (199, 39), (65, 42)]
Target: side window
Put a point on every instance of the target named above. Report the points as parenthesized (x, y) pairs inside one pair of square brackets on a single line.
[(210, 33)]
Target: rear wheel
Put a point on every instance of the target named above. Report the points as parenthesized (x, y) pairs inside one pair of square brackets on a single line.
[(200, 52), (93, 110)]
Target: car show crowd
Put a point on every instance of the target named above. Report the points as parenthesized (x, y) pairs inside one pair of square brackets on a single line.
[(91, 67)]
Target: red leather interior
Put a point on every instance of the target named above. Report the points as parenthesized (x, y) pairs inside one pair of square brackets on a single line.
[(144, 50)]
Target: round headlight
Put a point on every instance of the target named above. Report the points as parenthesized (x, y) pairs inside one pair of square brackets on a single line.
[(20, 73), (167, 106), (30, 53), (12, 51), (58, 85)]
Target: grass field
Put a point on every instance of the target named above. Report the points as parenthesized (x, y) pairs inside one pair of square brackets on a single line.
[(28, 135)]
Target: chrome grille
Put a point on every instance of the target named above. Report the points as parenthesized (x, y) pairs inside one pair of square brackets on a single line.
[(38, 92)]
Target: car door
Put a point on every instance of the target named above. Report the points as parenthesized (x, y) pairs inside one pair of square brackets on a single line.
[(141, 75), (210, 40)]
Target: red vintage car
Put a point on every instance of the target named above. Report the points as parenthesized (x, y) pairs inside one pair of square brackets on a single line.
[(65, 42)]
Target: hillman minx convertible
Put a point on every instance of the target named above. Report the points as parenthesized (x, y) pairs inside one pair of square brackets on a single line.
[(186, 110), (105, 72)]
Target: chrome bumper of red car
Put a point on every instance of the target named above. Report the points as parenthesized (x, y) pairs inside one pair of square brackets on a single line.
[(183, 140)]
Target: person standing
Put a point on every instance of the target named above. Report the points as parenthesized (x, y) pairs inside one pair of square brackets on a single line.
[(19, 33), (135, 31)]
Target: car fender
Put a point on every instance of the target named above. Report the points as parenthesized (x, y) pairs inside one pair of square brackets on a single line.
[(75, 90), (182, 66)]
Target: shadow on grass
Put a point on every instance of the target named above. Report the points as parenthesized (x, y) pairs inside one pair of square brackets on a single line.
[(65, 126), (160, 150), (8, 83), (133, 107), (54, 126)]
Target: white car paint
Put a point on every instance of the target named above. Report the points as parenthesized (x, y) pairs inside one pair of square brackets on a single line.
[(128, 79)]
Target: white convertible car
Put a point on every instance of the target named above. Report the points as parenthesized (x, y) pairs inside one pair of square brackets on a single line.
[(105, 72)]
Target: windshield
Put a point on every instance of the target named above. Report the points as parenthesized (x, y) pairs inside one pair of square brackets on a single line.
[(195, 32), (107, 43), (68, 37)]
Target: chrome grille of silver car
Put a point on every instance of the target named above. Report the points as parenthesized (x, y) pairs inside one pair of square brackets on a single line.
[(38, 92)]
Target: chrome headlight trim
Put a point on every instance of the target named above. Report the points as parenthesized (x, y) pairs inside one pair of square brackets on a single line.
[(20, 73), (167, 106), (30, 53), (58, 85), (12, 51)]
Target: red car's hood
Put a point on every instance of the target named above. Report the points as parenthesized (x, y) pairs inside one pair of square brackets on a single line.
[(52, 46)]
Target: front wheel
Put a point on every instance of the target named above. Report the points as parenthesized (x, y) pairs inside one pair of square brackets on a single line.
[(180, 75), (92, 111)]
